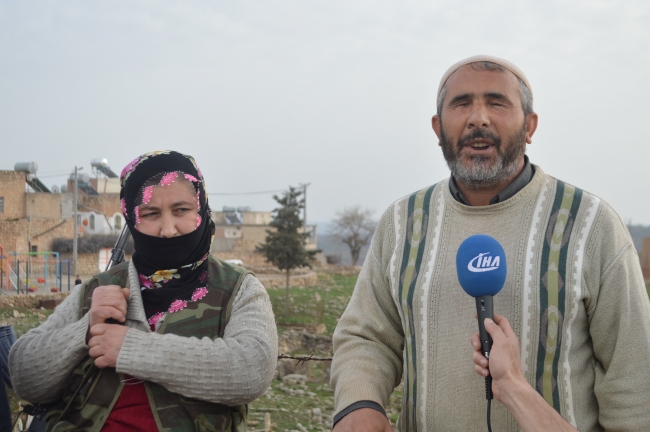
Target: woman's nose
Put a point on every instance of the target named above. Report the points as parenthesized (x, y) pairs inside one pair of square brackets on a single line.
[(167, 226)]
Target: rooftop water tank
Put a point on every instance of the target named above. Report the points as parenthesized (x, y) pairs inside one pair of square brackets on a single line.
[(99, 162), (28, 167), (82, 177)]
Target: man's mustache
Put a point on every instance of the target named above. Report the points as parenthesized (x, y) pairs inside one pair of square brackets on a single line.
[(477, 134)]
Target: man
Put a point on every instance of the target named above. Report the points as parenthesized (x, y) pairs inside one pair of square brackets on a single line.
[(572, 330)]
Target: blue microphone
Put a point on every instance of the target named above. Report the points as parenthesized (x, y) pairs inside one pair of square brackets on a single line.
[(481, 267)]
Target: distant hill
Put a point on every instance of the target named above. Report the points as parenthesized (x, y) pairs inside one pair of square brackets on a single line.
[(638, 233)]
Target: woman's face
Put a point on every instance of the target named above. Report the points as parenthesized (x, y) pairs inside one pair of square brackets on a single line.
[(172, 211)]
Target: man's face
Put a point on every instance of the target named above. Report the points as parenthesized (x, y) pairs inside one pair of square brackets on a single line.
[(482, 129)]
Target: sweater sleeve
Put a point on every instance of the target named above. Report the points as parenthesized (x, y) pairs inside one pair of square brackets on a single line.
[(231, 370), (369, 338), (41, 360), (619, 315)]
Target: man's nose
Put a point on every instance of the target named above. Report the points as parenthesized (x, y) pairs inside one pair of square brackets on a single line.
[(478, 117), (168, 226)]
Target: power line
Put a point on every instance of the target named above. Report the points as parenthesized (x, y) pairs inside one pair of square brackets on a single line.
[(247, 193)]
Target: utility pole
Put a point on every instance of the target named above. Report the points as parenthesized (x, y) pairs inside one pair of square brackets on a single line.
[(74, 239), (304, 211)]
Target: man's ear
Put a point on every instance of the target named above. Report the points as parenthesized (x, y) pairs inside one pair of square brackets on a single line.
[(531, 126), (435, 124)]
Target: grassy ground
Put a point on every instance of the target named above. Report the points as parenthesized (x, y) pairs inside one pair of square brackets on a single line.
[(290, 405), (320, 304)]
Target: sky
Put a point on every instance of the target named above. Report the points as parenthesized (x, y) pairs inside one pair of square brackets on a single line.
[(337, 94)]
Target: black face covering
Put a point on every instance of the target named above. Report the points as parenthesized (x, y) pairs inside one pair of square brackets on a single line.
[(171, 270)]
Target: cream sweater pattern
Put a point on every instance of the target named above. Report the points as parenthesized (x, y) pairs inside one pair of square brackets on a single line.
[(574, 295)]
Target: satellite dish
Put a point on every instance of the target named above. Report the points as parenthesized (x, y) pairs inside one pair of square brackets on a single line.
[(64, 188), (55, 189)]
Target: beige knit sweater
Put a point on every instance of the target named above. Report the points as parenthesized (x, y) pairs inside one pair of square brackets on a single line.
[(231, 370), (574, 296)]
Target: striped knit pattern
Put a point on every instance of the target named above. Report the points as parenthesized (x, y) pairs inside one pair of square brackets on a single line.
[(417, 223), (552, 295)]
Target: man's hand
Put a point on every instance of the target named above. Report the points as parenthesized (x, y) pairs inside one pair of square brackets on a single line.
[(108, 302), (364, 420), (509, 385), (105, 343)]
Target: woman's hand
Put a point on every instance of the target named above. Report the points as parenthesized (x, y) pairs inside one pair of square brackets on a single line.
[(108, 302), (105, 343)]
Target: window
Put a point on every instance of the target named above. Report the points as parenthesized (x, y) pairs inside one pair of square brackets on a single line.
[(118, 222), (2, 204), (92, 222), (34, 248)]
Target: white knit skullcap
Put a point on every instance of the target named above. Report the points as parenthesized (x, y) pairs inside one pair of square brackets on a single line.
[(484, 58)]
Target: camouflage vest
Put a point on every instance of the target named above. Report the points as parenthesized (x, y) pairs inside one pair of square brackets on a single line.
[(91, 393)]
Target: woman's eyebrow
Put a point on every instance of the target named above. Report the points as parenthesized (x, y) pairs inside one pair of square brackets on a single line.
[(181, 203)]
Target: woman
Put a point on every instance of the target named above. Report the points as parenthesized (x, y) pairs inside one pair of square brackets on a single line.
[(198, 339)]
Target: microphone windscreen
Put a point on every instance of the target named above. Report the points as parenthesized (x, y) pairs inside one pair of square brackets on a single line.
[(481, 265)]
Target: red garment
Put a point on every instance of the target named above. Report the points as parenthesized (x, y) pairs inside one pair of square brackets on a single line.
[(132, 411)]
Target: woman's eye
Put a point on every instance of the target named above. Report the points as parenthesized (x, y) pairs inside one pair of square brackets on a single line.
[(148, 215)]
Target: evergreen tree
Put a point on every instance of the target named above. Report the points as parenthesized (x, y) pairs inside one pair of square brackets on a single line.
[(285, 247)]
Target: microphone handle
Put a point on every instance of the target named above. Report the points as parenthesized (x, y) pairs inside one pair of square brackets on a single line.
[(484, 309)]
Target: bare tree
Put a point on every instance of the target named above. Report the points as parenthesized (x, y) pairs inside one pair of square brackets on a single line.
[(354, 227)]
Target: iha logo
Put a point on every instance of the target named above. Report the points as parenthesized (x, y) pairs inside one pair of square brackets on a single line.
[(484, 263)]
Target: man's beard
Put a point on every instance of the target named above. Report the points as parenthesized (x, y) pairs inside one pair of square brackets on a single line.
[(480, 172)]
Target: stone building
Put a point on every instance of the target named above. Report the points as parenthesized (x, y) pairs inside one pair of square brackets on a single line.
[(240, 230), (33, 217)]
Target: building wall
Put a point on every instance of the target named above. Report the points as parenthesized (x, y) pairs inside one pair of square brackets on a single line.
[(240, 242), (12, 189), (645, 258), (43, 205), (108, 204), (105, 185), (15, 234), (249, 217), (256, 218)]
